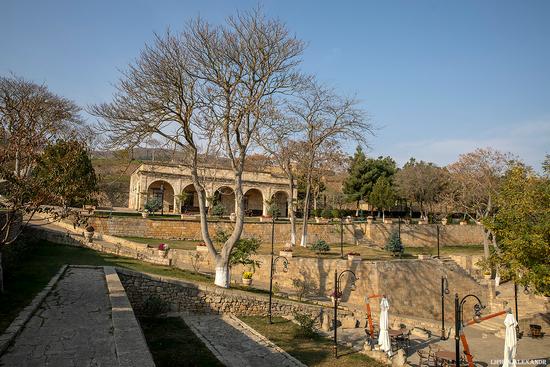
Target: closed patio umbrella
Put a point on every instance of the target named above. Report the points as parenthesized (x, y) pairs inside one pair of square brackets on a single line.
[(384, 337), (510, 341)]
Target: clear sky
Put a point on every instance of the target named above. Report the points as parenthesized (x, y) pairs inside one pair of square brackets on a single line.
[(439, 78)]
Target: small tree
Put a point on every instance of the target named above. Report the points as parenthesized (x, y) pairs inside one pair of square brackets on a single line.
[(152, 205), (394, 244), (382, 195), (242, 252), (218, 210), (320, 247)]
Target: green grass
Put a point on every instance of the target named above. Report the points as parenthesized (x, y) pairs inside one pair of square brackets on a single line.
[(315, 351), (38, 266), (173, 344), (446, 250), (179, 244)]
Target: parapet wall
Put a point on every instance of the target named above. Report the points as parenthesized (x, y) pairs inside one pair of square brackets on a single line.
[(415, 235)]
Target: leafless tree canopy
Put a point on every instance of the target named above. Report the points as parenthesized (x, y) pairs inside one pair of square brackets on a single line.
[(205, 90)]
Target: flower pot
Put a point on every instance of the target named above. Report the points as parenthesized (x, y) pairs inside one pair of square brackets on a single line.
[(348, 220), (444, 221), (463, 223), (287, 254), (144, 214), (487, 276), (317, 220), (354, 257), (387, 221), (370, 220), (182, 216), (247, 282), (232, 217), (265, 219), (202, 249), (424, 257), (89, 236)]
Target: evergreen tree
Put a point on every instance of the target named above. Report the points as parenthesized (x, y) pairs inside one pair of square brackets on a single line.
[(382, 195), (363, 174), (394, 244)]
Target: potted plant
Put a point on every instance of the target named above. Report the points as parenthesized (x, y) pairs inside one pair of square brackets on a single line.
[(370, 219), (444, 221), (151, 206), (286, 251), (201, 247), (247, 278), (89, 233), (354, 256), (487, 275), (163, 249)]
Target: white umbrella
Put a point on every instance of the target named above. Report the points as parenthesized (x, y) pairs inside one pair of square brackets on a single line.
[(384, 337), (510, 342)]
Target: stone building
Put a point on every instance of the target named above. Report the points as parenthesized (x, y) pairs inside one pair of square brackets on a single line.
[(172, 184)]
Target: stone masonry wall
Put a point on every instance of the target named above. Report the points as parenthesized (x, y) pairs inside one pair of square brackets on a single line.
[(362, 233)]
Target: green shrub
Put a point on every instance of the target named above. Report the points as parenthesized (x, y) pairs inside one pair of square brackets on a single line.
[(326, 213), (218, 210), (242, 252), (336, 213), (394, 244), (306, 323), (154, 306), (317, 212), (152, 205), (320, 246)]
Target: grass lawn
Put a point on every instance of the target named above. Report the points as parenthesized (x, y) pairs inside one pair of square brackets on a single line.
[(42, 262), (446, 250), (172, 343), (316, 351)]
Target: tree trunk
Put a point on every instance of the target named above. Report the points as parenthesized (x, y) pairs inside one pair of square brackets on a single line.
[(222, 278), (303, 241), (357, 209), (485, 243), (292, 214), (383, 216), (1, 275)]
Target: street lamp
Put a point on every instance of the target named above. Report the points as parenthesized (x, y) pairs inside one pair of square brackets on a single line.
[(337, 278), (273, 270), (444, 291), (437, 228), (342, 237), (459, 306)]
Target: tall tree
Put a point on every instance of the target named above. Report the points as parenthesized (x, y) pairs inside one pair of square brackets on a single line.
[(355, 186), (382, 195), (421, 182), (522, 225), (325, 118), (205, 87), (476, 179)]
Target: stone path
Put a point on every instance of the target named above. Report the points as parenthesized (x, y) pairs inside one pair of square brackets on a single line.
[(72, 327), (235, 344)]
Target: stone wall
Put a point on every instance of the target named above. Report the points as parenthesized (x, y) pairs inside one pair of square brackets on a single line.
[(362, 233), (183, 296)]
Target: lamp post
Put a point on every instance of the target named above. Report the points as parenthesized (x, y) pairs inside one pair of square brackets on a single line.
[(437, 228), (459, 306), (162, 200), (342, 237), (337, 278), (272, 271), (444, 291)]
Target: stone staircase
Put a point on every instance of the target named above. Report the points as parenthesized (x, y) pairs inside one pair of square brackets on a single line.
[(452, 265)]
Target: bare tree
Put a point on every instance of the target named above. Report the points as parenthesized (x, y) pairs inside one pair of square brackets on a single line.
[(31, 117), (206, 87), (476, 178), (324, 118)]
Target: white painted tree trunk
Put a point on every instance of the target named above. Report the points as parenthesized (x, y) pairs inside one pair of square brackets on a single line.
[(222, 278)]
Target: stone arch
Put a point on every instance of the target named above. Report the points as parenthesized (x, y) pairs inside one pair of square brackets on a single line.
[(253, 202), (226, 196), (191, 202), (280, 199), (164, 191)]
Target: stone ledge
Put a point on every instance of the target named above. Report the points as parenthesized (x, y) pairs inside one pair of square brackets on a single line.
[(24, 316), (130, 343)]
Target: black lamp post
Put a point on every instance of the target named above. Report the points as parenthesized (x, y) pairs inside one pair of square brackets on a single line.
[(437, 229), (273, 263), (162, 200), (342, 237), (459, 305), (444, 291), (337, 278)]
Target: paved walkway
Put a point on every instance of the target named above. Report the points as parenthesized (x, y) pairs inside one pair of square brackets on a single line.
[(72, 327), (235, 344)]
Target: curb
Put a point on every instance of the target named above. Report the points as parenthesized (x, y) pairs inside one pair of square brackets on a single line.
[(24, 316)]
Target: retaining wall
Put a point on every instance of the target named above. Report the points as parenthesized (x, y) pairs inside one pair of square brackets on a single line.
[(362, 233)]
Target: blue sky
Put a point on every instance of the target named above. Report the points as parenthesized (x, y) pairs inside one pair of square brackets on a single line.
[(439, 78)]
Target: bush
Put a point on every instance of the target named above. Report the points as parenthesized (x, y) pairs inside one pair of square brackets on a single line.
[(317, 212), (394, 244), (218, 210), (247, 275), (242, 252), (320, 246), (336, 213), (326, 213), (154, 306), (306, 323), (152, 205)]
